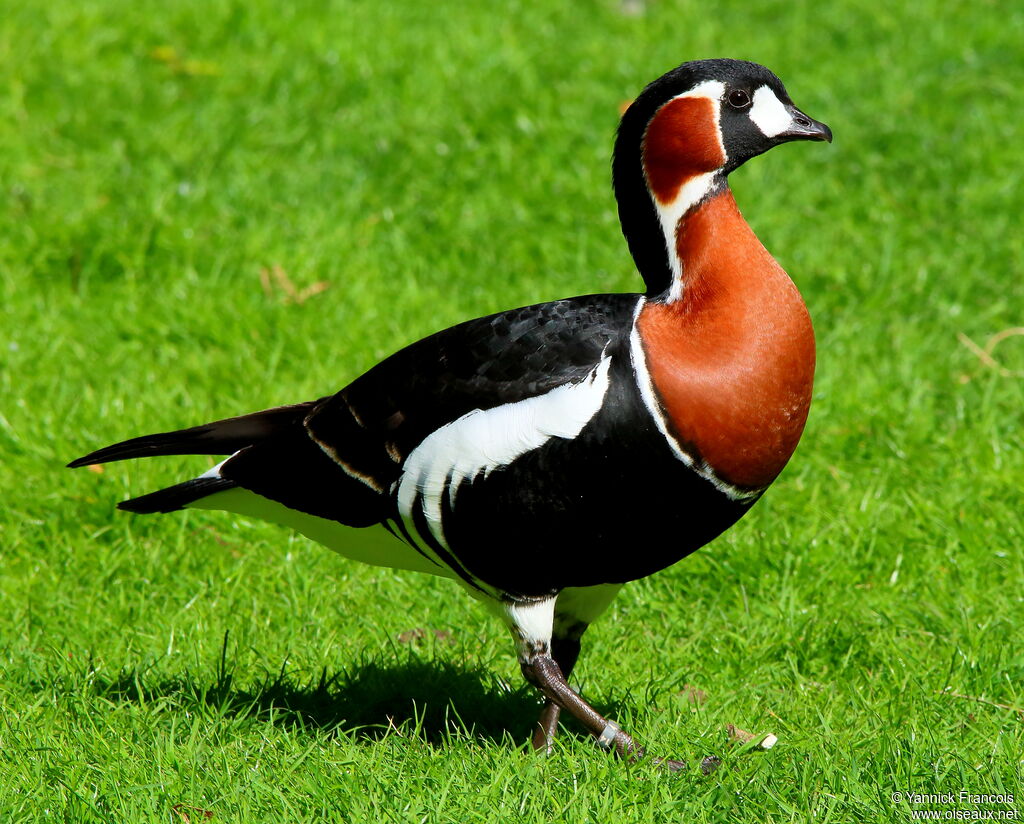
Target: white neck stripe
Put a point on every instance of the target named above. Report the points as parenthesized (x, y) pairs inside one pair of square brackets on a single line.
[(646, 385), (690, 193), (711, 89)]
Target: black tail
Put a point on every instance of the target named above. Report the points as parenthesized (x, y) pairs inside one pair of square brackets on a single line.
[(218, 438), (224, 437), (175, 497)]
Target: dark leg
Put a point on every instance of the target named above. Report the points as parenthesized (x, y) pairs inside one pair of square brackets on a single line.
[(564, 651), (549, 643), (543, 672)]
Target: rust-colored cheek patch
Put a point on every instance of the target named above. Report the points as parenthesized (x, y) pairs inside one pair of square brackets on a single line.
[(680, 143)]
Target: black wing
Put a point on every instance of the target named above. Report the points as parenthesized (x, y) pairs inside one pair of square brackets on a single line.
[(343, 459)]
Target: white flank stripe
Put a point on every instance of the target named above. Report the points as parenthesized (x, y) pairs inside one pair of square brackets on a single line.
[(484, 440), (768, 113), (643, 379)]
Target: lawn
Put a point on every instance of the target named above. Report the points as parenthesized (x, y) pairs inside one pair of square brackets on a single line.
[(210, 208)]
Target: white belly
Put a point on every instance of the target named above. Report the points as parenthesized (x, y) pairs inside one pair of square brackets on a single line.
[(372, 545)]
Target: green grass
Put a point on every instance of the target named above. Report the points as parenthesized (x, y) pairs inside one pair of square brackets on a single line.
[(433, 166)]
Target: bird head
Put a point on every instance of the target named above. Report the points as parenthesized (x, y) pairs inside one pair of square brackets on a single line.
[(682, 136), (713, 115)]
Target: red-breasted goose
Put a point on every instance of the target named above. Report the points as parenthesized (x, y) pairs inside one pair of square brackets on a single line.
[(544, 456)]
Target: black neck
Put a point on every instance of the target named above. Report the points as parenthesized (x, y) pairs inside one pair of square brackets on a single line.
[(651, 249), (637, 213), (639, 218)]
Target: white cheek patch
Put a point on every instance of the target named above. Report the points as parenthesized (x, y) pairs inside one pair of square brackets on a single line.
[(768, 113)]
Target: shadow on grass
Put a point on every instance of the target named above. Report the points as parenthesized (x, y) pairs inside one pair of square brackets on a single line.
[(430, 700)]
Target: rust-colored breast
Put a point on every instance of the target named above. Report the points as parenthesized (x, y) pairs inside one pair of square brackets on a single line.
[(681, 142), (733, 360)]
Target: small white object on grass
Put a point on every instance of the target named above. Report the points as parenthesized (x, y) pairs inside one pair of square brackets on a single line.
[(766, 742)]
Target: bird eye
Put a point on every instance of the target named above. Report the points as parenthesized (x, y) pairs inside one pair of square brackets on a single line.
[(739, 99)]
